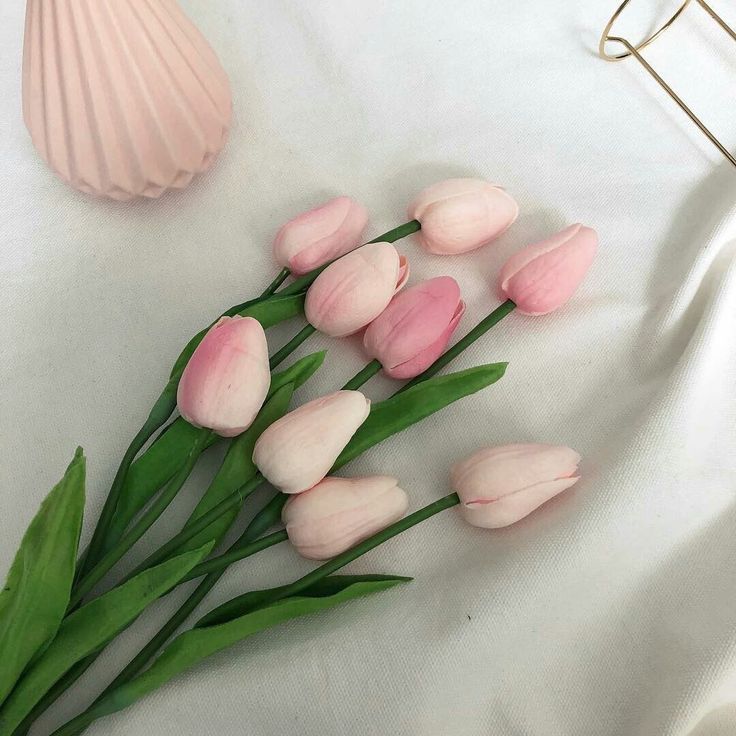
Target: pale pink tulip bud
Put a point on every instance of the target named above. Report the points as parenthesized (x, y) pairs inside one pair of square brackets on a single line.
[(459, 215), (542, 277), (340, 512), (316, 237), (299, 449), (500, 485), (415, 328), (227, 378), (351, 292)]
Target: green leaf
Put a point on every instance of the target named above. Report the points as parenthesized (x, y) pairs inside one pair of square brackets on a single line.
[(90, 628), (268, 312), (36, 593), (237, 468), (298, 373), (159, 463), (256, 599), (191, 647), (411, 406), (151, 472), (275, 309)]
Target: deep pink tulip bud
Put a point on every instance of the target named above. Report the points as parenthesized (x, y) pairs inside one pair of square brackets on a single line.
[(351, 292), (542, 277), (313, 238), (500, 485), (227, 378), (459, 215), (340, 512), (415, 328), (299, 449)]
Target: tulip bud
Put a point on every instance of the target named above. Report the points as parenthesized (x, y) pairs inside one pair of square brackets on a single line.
[(542, 277), (351, 292), (299, 449), (500, 485), (415, 328), (459, 215), (316, 237), (227, 378), (340, 512)]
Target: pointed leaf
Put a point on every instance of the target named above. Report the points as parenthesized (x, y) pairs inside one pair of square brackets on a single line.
[(36, 594), (191, 647), (411, 406), (150, 472), (255, 599), (299, 372)]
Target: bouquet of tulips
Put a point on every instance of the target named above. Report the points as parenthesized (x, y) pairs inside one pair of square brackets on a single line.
[(54, 621)]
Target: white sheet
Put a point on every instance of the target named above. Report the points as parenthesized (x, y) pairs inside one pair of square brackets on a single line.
[(609, 613)]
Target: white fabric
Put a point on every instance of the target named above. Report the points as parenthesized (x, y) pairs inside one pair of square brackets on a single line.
[(611, 611)]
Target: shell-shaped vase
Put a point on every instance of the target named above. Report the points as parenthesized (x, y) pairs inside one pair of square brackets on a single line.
[(122, 98)]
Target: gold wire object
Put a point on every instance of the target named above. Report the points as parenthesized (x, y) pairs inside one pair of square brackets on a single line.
[(632, 50)]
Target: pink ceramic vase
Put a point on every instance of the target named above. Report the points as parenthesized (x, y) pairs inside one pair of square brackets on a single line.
[(122, 98)]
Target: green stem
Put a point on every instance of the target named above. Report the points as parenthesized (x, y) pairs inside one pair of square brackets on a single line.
[(362, 376), (478, 331), (142, 525), (160, 412), (304, 282), (248, 540), (280, 355), (284, 274), (413, 226), (200, 523), (220, 563)]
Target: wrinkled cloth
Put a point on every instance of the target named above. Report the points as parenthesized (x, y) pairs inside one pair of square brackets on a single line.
[(610, 611)]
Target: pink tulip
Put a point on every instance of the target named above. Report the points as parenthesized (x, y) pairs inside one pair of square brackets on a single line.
[(320, 235), (351, 292), (500, 485), (542, 277), (340, 512), (459, 215), (227, 378), (415, 328), (299, 449)]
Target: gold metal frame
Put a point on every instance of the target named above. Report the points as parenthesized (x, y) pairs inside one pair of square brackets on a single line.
[(633, 50)]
